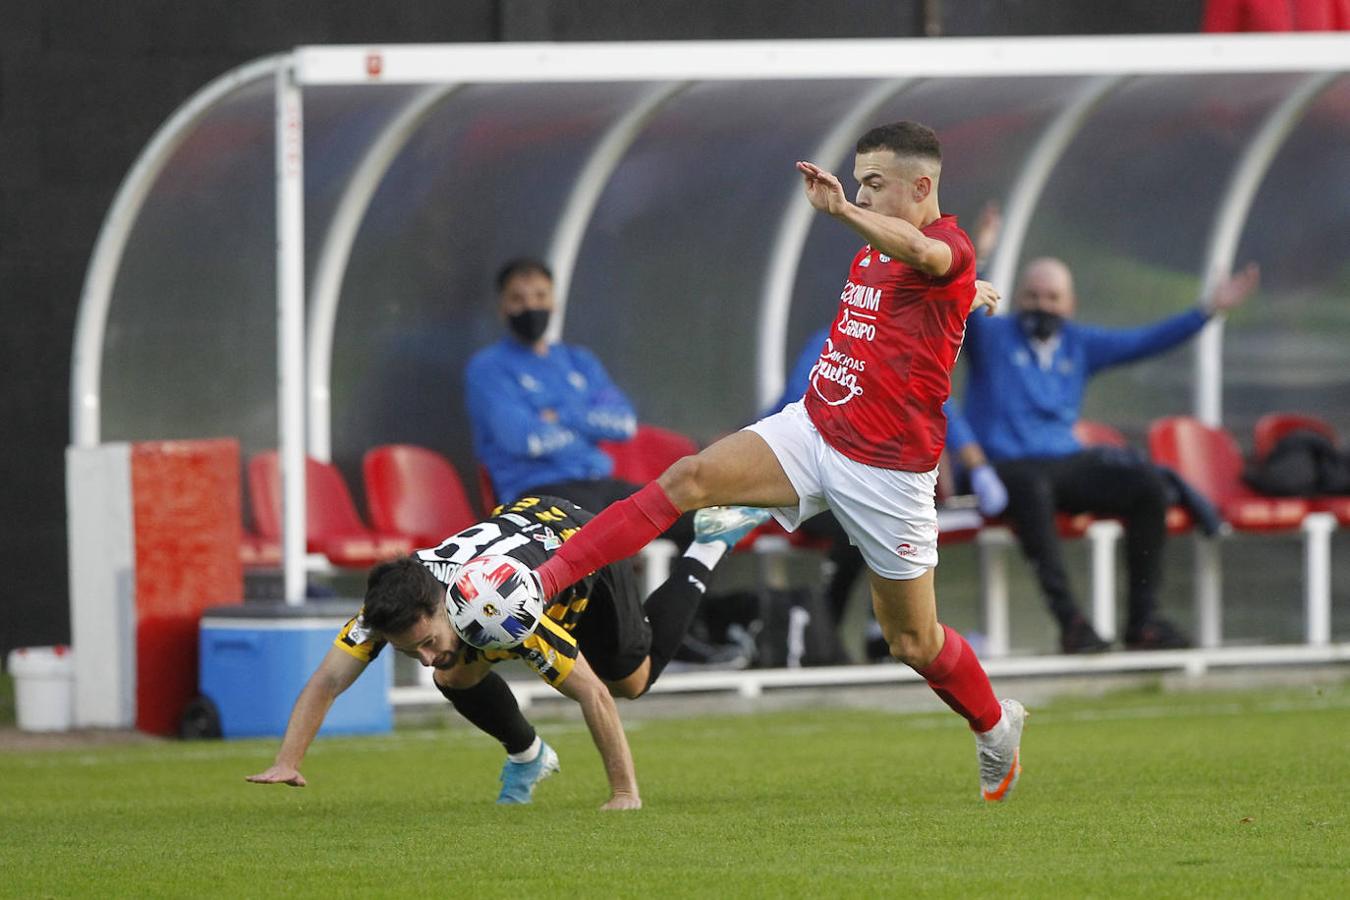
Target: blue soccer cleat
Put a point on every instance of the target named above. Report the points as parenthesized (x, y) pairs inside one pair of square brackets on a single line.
[(727, 524), (519, 779)]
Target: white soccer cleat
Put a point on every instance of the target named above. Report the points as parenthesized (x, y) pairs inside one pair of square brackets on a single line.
[(1001, 757), (727, 524)]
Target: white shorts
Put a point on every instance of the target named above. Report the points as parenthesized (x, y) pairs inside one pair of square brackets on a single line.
[(891, 516)]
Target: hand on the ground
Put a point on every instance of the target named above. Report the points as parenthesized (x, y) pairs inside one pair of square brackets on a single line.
[(986, 298), (279, 775), (1233, 291), (623, 800), (823, 190), (991, 497)]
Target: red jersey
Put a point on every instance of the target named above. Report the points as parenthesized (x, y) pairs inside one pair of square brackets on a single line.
[(876, 393)]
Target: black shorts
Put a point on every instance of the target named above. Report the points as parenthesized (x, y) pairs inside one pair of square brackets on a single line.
[(613, 632)]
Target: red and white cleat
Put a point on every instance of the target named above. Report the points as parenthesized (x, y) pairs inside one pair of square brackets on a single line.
[(999, 752)]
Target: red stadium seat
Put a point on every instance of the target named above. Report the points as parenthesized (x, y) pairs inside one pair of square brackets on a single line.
[(1097, 434), (1273, 426), (258, 552), (1209, 459), (334, 527), (487, 494), (649, 453), (415, 492)]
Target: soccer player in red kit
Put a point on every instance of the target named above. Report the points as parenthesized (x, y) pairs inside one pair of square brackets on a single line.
[(865, 439)]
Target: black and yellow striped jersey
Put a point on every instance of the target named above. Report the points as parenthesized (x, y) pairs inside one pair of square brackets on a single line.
[(530, 530)]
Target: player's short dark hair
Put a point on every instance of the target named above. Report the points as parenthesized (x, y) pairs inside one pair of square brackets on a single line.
[(522, 265), (399, 592), (903, 139)]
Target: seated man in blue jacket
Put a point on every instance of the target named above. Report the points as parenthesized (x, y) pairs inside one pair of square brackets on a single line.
[(1026, 374), (539, 409)]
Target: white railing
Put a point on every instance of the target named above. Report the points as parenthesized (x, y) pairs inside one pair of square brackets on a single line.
[(751, 683)]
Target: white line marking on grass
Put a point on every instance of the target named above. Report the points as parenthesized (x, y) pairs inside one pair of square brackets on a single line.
[(250, 755)]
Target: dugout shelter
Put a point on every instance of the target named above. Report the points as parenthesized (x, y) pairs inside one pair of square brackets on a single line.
[(301, 258)]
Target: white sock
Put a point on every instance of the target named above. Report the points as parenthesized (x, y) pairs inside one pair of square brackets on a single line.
[(529, 754), (710, 554), (995, 734)]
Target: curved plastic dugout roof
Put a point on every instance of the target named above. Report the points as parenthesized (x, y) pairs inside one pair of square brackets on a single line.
[(658, 180)]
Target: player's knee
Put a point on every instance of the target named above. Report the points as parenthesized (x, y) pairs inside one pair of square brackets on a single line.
[(1152, 489), (685, 482), (913, 648), (626, 691)]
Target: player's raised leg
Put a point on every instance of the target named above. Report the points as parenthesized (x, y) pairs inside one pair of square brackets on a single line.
[(907, 613), (669, 611), (739, 470)]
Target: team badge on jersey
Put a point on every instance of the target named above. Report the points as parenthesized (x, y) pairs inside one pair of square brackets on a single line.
[(549, 538)]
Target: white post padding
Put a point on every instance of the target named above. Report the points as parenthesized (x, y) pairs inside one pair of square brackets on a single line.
[(1317, 529), (992, 544), (1104, 535), (99, 528), (290, 143), (1208, 592)]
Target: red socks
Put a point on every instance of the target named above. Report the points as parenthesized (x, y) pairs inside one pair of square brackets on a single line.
[(620, 530), (958, 678)]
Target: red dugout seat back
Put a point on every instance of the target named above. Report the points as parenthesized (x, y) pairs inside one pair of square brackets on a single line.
[(415, 492), (333, 526), (1097, 434), (487, 494), (649, 453), (1211, 461), (1273, 426)]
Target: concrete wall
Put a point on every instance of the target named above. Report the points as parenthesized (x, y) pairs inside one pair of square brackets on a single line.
[(83, 86)]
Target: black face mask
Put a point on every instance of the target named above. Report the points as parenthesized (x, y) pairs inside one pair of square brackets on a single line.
[(1039, 324), (529, 324)]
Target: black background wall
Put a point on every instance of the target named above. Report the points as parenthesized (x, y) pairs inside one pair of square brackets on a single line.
[(83, 86)]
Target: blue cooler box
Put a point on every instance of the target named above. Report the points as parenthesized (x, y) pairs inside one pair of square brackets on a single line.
[(255, 659)]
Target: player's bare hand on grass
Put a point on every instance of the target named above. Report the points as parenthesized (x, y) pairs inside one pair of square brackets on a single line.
[(279, 775), (623, 800), (823, 190), (1233, 291), (986, 298)]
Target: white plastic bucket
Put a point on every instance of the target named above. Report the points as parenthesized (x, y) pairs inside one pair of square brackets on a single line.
[(43, 687)]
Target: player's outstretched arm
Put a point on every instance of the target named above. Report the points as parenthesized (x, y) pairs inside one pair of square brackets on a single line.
[(602, 718), (333, 676), (892, 236)]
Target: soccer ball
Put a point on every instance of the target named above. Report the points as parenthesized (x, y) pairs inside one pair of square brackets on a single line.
[(493, 602)]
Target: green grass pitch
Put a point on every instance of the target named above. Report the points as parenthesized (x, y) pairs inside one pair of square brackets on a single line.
[(1142, 794)]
